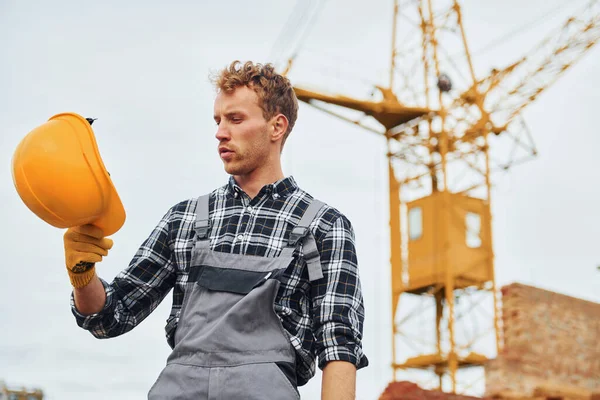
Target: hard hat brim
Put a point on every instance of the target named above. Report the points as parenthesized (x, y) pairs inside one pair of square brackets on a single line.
[(114, 217)]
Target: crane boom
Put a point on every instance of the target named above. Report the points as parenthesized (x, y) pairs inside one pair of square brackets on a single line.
[(507, 92)]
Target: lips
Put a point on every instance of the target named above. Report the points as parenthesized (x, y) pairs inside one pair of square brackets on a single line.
[(225, 152)]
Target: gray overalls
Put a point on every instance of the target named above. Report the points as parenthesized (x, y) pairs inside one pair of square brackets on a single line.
[(230, 343)]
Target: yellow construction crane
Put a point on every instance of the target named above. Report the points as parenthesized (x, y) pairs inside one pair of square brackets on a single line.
[(21, 393), (441, 135)]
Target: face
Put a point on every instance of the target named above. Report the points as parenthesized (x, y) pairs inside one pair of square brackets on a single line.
[(243, 133)]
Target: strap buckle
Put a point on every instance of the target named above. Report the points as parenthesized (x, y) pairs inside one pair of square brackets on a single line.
[(202, 228), (311, 253), (297, 234)]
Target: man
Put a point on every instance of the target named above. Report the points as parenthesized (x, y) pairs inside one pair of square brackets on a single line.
[(264, 277)]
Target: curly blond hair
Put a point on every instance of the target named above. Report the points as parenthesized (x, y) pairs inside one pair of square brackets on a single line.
[(274, 91)]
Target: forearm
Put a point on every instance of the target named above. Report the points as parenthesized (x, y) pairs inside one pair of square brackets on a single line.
[(91, 298), (339, 381), (112, 309), (99, 310)]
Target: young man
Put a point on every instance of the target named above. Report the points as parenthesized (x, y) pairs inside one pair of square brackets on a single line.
[(264, 277)]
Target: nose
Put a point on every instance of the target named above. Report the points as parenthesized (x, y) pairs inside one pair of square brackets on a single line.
[(222, 132)]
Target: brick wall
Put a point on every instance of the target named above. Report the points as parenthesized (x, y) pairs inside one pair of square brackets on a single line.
[(404, 390), (548, 337)]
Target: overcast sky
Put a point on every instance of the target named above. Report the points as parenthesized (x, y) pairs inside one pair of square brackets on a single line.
[(141, 68)]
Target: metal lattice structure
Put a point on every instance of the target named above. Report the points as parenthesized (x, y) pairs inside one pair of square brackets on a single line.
[(447, 131)]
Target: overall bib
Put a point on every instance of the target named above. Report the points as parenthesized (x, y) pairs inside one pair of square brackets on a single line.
[(229, 342)]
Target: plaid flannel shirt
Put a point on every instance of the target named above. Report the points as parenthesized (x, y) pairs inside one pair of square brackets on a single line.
[(323, 320)]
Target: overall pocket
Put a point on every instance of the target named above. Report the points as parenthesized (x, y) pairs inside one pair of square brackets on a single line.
[(263, 381), (231, 280)]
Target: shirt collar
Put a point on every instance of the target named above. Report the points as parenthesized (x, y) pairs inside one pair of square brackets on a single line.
[(280, 189)]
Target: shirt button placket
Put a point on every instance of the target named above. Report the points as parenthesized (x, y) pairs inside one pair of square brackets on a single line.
[(246, 212)]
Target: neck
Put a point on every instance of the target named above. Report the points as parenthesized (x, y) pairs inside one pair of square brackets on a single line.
[(252, 182)]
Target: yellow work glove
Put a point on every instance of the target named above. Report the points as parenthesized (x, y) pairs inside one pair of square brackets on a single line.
[(84, 246)]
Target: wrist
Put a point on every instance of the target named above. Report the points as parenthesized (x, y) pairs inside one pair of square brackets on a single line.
[(81, 279)]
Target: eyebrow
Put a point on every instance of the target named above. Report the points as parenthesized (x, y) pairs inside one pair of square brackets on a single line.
[(230, 114)]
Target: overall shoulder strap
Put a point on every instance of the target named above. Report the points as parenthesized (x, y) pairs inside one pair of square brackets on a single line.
[(202, 224), (302, 234)]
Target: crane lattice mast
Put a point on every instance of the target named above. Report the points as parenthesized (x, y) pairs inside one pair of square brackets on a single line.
[(442, 126)]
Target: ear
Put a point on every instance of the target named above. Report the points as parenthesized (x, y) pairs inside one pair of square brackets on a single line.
[(280, 125)]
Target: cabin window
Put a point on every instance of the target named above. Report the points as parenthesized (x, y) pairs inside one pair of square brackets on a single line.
[(415, 223), (473, 226)]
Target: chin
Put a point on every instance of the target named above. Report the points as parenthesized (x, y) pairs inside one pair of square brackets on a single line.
[(234, 169)]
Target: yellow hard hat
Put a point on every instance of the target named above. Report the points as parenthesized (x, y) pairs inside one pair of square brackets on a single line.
[(59, 175)]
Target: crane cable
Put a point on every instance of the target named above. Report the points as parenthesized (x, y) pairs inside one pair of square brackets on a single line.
[(295, 16), (525, 27), (293, 33)]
